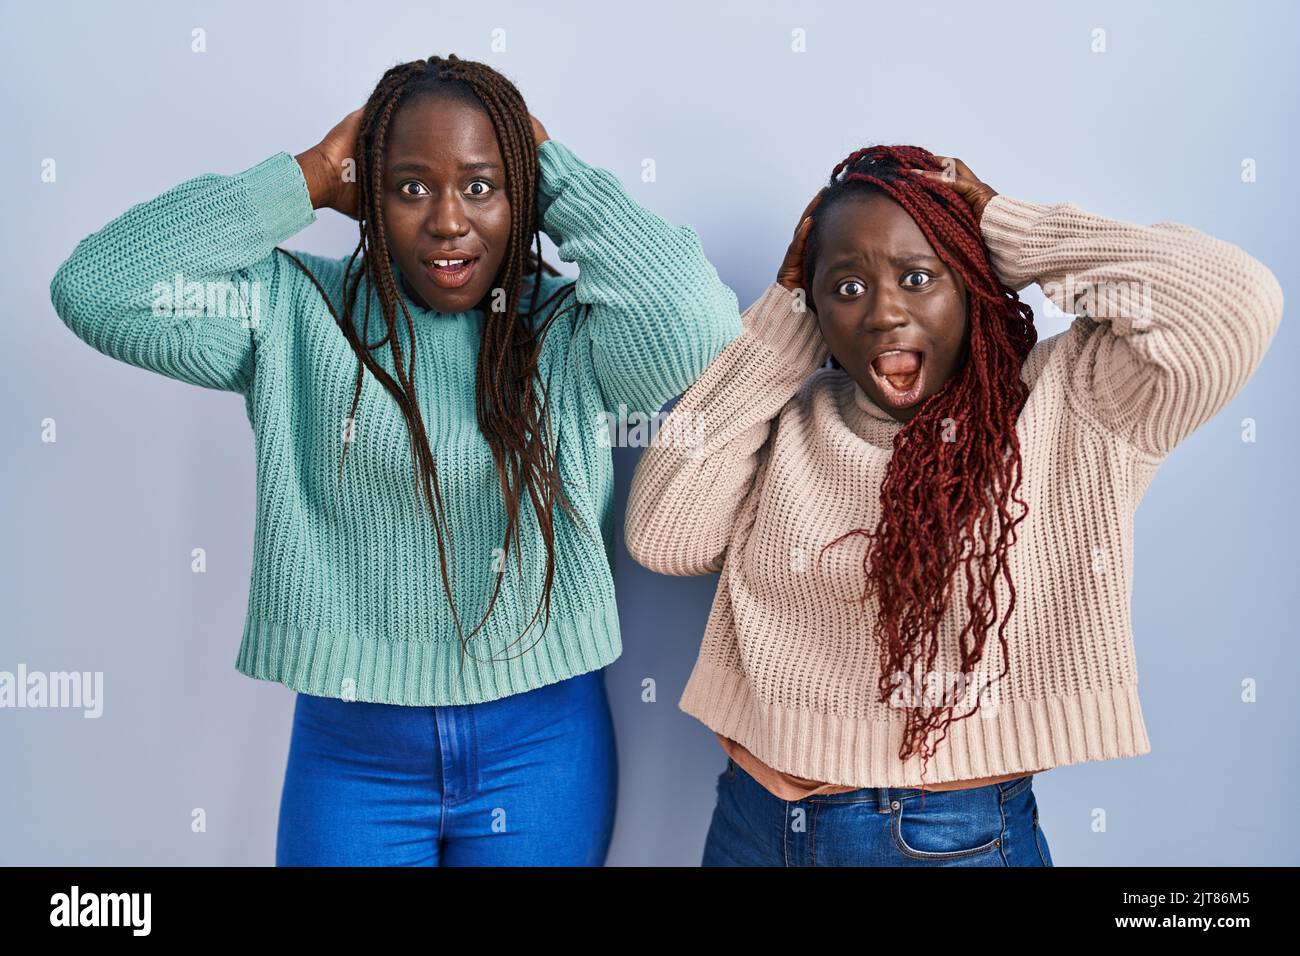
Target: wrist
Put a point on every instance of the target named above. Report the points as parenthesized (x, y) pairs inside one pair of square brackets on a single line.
[(318, 176), (1006, 228)]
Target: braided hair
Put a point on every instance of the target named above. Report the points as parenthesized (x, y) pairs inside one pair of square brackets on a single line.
[(512, 410), (955, 464)]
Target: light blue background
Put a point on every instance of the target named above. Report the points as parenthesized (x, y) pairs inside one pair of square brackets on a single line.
[(98, 527)]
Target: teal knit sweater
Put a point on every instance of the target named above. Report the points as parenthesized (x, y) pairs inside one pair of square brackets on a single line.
[(346, 596)]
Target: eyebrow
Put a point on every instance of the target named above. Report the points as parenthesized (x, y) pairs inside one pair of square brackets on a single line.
[(421, 167), (904, 260)]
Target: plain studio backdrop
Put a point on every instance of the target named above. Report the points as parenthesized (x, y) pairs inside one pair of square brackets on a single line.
[(1143, 112)]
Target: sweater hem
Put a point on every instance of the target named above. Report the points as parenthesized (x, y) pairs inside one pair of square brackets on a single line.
[(556, 163), (278, 193), (1016, 736), (1005, 226), (425, 673)]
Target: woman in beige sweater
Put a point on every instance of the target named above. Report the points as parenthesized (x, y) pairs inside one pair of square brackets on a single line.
[(926, 550)]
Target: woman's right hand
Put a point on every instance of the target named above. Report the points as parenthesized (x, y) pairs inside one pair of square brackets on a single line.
[(323, 167), (963, 182), (790, 274)]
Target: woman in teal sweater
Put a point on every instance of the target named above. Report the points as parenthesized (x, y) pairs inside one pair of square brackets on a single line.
[(433, 539)]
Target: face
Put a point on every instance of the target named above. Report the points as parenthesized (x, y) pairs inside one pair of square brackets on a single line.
[(878, 285), (444, 198)]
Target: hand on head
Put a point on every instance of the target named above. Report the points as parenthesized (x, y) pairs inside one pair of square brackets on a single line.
[(963, 182), (326, 182), (790, 274), (539, 131)]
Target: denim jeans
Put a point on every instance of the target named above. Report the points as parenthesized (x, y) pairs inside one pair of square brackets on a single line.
[(525, 780), (996, 825)]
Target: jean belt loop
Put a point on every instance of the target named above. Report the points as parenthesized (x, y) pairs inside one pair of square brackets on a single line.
[(882, 800)]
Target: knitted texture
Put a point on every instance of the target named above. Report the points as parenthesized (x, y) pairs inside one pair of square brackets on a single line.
[(777, 457), (346, 597)]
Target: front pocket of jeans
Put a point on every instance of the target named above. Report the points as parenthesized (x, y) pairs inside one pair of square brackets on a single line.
[(947, 829)]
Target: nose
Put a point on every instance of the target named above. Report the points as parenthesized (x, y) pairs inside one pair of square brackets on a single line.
[(447, 220), (886, 310)]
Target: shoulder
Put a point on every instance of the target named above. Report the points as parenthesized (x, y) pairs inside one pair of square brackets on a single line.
[(549, 284), (825, 389), (821, 381), (295, 270), (1044, 349), (320, 265), (556, 295)]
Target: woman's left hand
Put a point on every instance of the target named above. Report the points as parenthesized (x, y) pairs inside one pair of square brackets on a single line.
[(966, 184), (539, 131)]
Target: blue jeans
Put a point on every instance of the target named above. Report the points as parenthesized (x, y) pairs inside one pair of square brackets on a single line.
[(525, 780), (996, 825)]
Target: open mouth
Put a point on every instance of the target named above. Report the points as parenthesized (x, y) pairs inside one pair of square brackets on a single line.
[(900, 376), (450, 273)]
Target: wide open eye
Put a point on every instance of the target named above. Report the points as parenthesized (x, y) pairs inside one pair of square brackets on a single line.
[(910, 279), (850, 287), (486, 189), (410, 182)]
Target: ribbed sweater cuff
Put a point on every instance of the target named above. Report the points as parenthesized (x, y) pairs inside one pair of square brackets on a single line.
[(1006, 225), (792, 334), (278, 192)]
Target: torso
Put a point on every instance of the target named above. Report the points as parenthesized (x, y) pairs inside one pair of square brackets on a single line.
[(789, 787)]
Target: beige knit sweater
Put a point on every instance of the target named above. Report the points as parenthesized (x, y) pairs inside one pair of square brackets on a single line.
[(767, 457)]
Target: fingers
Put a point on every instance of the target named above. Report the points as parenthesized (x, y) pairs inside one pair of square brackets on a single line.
[(790, 274), (961, 183), (807, 210), (954, 170), (976, 193), (800, 240)]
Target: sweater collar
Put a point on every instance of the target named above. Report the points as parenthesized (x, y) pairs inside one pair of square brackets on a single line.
[(863, 402)]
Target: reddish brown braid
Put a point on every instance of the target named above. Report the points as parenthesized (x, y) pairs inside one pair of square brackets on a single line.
[(935, 495), (513, 414)]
